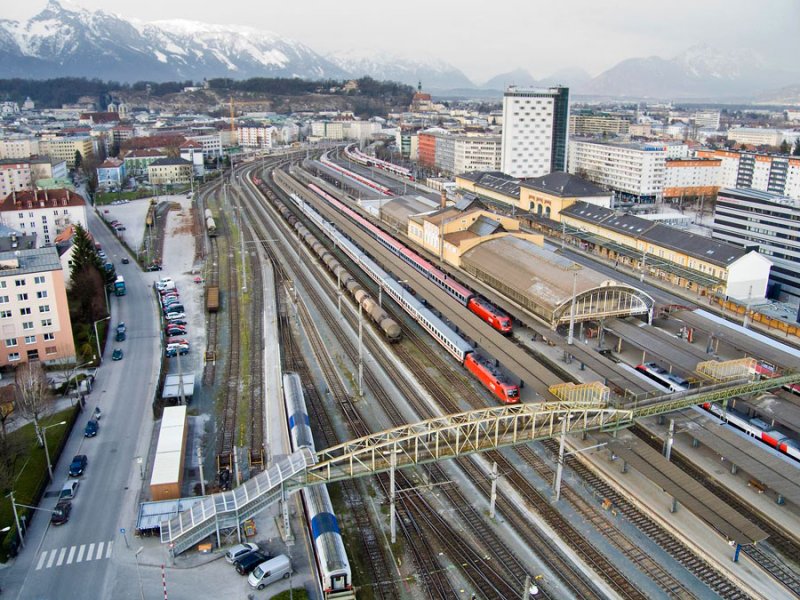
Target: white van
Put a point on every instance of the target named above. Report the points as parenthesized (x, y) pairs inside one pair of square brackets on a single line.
[(270, 571)]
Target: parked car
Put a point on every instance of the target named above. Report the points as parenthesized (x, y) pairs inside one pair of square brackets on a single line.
[(125, 260), (60, 514), (177, 340), (248, 562), (271, 571), (78, 465), (121, 327), (240, 551), (117, 354), (170, 300), (170, 332), (173, 315), (91, 428), (175, 350), (177, 322), (69, 489), (120, 337), (153, 267)]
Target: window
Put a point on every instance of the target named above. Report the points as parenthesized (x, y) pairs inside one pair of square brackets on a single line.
[(47, 322), (49, 337), (3, 284), (42, 294), (19, 282), (50, 350), (22, 297), (25, 311), (5, 314), (44, 308), (3, 299), (39, 279), (30, 339), (11, 342), (27, 325), (14, 356)]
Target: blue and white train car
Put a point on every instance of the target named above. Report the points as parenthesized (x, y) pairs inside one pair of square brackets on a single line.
[(332, 562)]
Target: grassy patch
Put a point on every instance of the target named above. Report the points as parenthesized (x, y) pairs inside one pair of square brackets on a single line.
[(30, 469), (294, 594), (103, 198)]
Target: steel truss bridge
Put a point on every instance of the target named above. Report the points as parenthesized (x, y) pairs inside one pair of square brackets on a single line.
[(440, 438)]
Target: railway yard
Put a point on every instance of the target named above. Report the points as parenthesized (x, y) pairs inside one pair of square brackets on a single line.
[(308, 284)]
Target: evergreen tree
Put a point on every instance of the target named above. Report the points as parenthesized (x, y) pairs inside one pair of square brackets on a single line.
[(785, 147), (84, 255), (797, 147), (78, 159)]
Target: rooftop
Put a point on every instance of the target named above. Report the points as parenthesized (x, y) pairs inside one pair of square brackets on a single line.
[(565, 185), (49, 198), (166, 162), (21, 262)]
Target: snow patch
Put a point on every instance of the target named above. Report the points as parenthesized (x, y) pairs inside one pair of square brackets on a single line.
[(160, 56)]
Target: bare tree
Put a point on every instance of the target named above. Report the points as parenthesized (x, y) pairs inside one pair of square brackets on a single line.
[(34, 400)]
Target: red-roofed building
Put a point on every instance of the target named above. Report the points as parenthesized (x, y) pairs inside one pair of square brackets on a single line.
[(45, 213), (98, 118)]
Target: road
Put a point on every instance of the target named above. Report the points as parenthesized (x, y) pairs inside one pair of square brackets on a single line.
[(85, 558)]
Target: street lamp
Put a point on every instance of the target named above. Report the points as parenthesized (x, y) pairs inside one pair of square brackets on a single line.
[(97, 337), (46, 452), (574, 268)]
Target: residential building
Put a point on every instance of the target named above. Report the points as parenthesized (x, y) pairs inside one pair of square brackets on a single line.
[(591, 125), (360, 131), (193, 152), (15, 176), (327, 130), (169, 171), (44, 167), (767, 222), (476, 153), (211, 144), (18, 147), (33, 308), (45, 213), (426, 146), (535, 130), (636, 171), (408, 142), (11, 239), (137, 161), (111, 174), (692, 177), (776, 173), (257, 136), (445, 158), (64, 148), (288, 133)]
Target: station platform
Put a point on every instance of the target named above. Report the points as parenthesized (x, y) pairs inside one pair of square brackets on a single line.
[(775, 410), (753, 343), (771, 469), (658, 343), (652, 499)]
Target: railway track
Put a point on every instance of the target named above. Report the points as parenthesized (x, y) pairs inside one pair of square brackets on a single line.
[(778, 539), (483, 577), (211, 277)]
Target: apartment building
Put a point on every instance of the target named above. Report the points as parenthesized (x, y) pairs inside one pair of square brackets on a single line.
[(327, 130), (192, 151), (257, 136), (111, 174), (19, 147), (756, 136), (706, 119), (211, 144), (15, 176), (765, 221), (535, 131), (477, 153), (692, 177), (64, 148), (169, 171), (635, 171), (137, 161), (776, 173), (45, 213), (33, 308), (589, 125)]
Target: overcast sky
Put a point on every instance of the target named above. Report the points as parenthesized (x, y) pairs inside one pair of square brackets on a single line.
[(487, 38)]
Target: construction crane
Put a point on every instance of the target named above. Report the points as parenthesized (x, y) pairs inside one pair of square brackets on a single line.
[(233, 120)]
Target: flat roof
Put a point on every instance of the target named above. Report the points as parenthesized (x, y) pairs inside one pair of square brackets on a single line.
[(167, 468), (172, 386), (173, 415), (687, 491), (151, 514), (774, 470)]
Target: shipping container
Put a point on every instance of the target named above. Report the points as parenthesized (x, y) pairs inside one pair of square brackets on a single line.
[(167, 477)]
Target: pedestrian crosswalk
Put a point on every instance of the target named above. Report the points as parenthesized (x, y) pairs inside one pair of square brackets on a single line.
[(74, 554)]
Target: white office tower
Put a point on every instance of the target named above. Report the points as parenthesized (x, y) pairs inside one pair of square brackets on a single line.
[(535, 125)]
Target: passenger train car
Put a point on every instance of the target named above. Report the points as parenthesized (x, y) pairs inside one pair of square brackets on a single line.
[(479, 305), (332, 562), (663, 377), (455, 345), (356, 177), (353, 153), (757, 428)]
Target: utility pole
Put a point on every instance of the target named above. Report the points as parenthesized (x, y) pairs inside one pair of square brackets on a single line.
[(360, 351), (200, 465)]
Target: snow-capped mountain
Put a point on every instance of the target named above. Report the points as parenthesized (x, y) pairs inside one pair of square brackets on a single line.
[(433, 74), (523, 78), (700, 72), (63, 41)]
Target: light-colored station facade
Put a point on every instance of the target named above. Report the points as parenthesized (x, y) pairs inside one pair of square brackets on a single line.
[(580, 214), (493, 249)]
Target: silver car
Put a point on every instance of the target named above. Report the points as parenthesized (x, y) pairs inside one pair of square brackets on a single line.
[(240, 550)]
